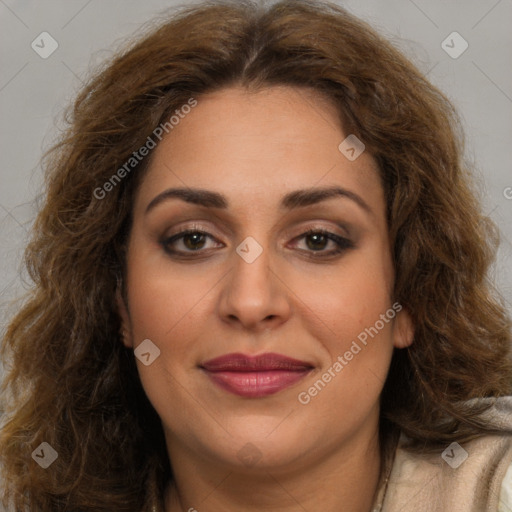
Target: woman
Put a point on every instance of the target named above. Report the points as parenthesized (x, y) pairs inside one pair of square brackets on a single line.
[(260, 283)]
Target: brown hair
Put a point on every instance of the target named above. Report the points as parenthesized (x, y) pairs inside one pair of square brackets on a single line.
[(72, 383)]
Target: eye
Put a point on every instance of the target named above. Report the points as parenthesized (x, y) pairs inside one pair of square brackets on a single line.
[(194, 242), (188, 241), (323, 243)]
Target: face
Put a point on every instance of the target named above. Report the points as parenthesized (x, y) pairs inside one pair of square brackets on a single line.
[(276, 245)]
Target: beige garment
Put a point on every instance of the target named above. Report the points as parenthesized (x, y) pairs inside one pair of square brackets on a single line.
[(431, 483), (447, 481)]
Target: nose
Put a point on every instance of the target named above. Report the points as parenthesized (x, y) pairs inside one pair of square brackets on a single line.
[(253, 295)]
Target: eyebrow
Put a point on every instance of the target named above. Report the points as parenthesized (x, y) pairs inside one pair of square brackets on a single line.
[(296, 199)]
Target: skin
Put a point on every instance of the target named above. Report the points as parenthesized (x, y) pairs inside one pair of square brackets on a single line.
[(254, 148)]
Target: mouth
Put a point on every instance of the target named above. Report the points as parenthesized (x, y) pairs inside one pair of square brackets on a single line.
[(255, 376)]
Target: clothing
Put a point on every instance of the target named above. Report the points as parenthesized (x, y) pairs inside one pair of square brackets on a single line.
[(448, 481), (506, 492), (472, 477)]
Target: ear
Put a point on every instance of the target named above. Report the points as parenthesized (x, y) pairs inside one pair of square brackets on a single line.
[(126, 326), (403, 329)]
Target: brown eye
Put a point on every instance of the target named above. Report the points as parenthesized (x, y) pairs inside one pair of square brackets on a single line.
[(317, 241), (320, 243), (187, 242), (194, 241)]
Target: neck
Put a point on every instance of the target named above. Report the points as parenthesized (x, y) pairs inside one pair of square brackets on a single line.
[(346, 478)]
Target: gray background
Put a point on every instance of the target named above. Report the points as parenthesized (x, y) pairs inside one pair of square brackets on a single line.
[(34, 91)]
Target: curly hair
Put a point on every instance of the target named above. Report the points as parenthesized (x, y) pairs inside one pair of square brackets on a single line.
[(69, 380)]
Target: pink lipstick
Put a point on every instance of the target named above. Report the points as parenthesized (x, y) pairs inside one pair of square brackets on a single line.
[(255, 376)]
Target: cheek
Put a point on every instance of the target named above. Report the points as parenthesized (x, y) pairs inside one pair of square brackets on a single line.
[(164, 300), (348, 297), (166, 308), (355, 323), (358, 347), (350, 311)]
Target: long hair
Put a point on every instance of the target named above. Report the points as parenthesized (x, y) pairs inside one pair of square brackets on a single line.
[(71, 383)]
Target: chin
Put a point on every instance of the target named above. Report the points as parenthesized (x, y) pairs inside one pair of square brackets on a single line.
[(262, 446)]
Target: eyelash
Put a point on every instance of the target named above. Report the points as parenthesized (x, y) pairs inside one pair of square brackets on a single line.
[(342, 243)]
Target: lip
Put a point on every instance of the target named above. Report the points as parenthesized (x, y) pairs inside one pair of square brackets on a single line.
[(255, 376)]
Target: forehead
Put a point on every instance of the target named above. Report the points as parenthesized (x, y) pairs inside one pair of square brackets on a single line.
[(258, 146)]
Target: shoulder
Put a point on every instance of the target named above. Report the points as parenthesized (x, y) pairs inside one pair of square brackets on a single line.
[(466, 477)]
